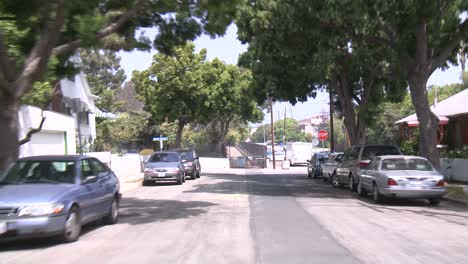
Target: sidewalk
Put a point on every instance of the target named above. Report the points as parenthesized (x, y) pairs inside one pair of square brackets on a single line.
[(457, 193)]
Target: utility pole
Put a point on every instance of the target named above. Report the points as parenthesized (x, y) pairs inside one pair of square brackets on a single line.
[(284, 133), (332, 138), (272, 134)]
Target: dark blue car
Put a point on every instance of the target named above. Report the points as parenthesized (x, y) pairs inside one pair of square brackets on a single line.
[(55, 195)]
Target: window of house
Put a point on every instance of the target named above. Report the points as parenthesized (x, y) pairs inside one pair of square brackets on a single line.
[(84, 118)]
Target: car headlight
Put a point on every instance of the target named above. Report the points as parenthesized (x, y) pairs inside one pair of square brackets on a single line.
[(188, 164), (41, 209), (148, 169)]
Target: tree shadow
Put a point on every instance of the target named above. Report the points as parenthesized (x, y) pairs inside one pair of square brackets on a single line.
[(136, 211), (132, 211)]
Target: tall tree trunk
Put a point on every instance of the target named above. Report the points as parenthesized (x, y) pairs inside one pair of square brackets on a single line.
[(347, 109), (428, 122), (180, 129), (8, 131)]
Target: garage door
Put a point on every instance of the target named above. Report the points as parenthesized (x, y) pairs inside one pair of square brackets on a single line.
[(48, 143)]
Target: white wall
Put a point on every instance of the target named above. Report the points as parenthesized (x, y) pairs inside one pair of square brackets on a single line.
[(48, 141)]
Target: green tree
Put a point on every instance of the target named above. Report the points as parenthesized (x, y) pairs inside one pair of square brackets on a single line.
[(425, 35), (123, 132), (171, 87), (291, 133), (56, 29), (104, 75), (291, 61)]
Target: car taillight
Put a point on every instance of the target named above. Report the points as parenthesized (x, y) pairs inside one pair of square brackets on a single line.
[(391, 182), (364, 164), (440, 183)]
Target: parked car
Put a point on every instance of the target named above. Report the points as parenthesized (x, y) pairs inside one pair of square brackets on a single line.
[(46, 196), (191, 163), (357, 158), (314, 165), (328, 168), (164, 166), (402, 177)]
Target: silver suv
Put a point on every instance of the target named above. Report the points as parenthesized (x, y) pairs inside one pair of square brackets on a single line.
[(357, 158)]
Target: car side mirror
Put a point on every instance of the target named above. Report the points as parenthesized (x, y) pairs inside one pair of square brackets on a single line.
[(90, 179), (308, 161), (338, 159)]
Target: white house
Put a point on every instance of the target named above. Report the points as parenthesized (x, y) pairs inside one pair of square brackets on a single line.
[(78, 97), (57, 136), (69, 128)]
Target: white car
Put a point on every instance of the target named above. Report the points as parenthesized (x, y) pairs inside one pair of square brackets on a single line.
[(401, 176)]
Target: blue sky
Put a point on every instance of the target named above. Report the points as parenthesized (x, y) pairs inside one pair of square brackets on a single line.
[(228, 47)]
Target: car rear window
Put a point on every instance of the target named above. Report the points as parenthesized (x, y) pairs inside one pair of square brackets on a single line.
[(371, 151), (164, 157), (187, 155), (406, 164)]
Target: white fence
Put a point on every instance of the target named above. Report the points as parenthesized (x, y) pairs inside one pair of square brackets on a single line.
[(454, 169)]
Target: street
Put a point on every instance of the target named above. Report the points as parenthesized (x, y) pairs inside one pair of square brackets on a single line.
[(260, 218)]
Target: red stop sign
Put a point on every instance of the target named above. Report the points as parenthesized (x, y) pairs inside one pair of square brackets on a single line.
[(322, 135)]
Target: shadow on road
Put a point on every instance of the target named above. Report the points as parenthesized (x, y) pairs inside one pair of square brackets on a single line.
[(299, 186), (133, 211), (136, 211)]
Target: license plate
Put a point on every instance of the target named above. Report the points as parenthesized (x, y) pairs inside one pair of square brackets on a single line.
[(415, 183), (3, 227), (161, 174)]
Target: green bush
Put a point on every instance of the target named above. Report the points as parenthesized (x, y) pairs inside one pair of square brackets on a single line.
[(146, 152), (461, 153)]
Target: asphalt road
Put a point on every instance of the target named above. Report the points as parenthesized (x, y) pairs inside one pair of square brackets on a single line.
[(229, 218)]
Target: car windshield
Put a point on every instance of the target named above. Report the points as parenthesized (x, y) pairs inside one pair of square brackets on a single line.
[(187, 155), (371, 151), (406, 164), (164, 157), (37, 172)]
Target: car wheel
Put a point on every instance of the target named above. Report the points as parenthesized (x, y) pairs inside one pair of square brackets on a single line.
[(145, 183), (314, 173), (360, 190), (198, 173), (194, 175), (113, 215), (309, 175), (376, 196), (72, 226), (180, 180), (351, 184), (334, 181), (434, 201)]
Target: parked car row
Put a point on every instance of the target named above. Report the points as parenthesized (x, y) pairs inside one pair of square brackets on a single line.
[(172, 166), (381, 170)]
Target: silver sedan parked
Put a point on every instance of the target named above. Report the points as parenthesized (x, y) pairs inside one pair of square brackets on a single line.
[(402, 177), (164, 166)]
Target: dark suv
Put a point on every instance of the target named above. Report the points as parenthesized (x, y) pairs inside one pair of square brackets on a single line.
[(191, 164), (356, 159)]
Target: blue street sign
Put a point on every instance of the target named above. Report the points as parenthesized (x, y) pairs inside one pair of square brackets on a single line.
[(160, 138)]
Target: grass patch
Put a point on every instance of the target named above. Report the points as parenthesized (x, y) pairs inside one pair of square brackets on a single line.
[(456, 192)]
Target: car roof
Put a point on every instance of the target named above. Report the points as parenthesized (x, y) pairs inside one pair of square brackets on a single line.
[(374, 145), (401, 156), (182, 150), (168, 151), (56, 157)]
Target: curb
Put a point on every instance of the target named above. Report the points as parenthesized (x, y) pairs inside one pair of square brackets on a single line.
[(455, 201)]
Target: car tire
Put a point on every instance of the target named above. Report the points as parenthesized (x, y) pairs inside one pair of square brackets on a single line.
[(72, 229), (434, 201), (376, 196), (314, 173), (360, 190), (335, 182), (180, 180), (309, 175), (193, 176), (351, 184), (145, 183), (113, 215)]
